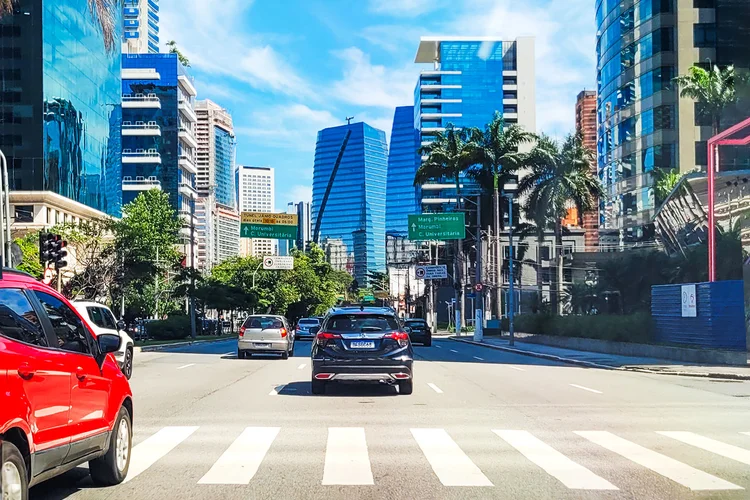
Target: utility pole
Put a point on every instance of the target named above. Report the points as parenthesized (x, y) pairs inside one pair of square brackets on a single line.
[(498, 255), (193, 332), (479, 315), (156, 285)]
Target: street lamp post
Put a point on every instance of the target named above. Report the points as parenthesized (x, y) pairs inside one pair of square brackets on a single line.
[(509, 190), (254, 273)]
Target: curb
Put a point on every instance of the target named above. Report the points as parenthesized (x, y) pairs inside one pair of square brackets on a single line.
[(161, 347), (591, 364)]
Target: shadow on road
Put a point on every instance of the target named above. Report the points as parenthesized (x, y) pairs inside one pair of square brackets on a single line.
[(64, 486), (340, 390)]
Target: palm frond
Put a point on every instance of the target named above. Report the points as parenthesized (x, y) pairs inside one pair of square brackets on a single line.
[(6, 7)]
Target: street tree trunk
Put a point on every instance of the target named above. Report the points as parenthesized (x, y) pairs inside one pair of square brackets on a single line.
[(539, 244), (498, 254), (559, 250)]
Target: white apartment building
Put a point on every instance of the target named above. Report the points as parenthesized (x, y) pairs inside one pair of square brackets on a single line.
[(140, 20), (255, 193), (226, 231)]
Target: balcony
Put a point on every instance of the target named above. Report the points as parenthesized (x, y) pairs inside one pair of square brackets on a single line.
[(429, 101), (187, 163), (187, 136), (141, 156), (437, 116), (130, 11), (187, 85), (438, 88), (140, 101), (131, 23), (186, 217), (140, 129), (510, 86), (187, 110), (437, 72), (187, 190), (432, 130), (140, 74), (140, 183)]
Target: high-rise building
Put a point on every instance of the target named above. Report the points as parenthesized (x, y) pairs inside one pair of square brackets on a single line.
[(226, 237), (471, 79), (141, 27), (60, 102), (255, 193), (355, 191), (643, 123), (586, 127), (158, 137), (402, 197)]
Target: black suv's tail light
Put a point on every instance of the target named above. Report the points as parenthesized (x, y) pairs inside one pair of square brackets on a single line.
[(401, 337), (322, 338)]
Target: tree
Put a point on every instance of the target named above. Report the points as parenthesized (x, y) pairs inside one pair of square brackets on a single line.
[(665, 180), (560, 177), (180, 56), (714, 91), (104, 12), (29, 246), (448, 157)]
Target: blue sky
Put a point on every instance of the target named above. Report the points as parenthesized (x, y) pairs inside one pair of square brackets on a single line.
[(287, 68)]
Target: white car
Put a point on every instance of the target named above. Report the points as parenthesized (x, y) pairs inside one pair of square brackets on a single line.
[(101, 320)]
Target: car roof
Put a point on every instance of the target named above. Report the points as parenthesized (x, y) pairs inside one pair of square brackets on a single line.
[(415, 319), (363, 310), (88, 303), (15, 276)]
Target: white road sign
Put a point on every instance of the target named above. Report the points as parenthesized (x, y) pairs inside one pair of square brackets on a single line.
[(689, 302), (278, 263), (432, 272)]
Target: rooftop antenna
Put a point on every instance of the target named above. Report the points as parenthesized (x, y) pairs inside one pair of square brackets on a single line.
[(349, 120)]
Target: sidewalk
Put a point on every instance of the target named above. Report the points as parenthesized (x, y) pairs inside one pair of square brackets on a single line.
[(612, 361)]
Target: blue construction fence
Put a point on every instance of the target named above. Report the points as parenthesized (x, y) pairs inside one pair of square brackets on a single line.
[(718, 309)]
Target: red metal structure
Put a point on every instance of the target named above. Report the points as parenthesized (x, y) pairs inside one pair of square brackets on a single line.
[(733, 136)]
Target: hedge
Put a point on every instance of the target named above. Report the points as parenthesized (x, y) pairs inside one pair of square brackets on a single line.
[(622, 328), (172, 328)]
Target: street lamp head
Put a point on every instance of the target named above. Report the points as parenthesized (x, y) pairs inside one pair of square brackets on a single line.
[(510, 187)]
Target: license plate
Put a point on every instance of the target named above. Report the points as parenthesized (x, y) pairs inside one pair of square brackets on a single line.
[(363, 344), (262, 344)]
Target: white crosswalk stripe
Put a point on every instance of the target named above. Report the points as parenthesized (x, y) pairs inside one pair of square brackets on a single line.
[(347, 460), (725, 450), (240, 462), (147, 453), (557, 465), (450, 463), (661, 464), (745, 433)]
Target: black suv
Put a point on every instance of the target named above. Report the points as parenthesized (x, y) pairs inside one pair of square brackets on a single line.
[(420, 331), (362, 344)]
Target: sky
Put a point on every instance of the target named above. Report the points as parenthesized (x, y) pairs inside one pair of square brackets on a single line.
[(288, 68)]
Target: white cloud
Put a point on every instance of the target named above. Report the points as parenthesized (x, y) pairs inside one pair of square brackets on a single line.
[(300, 192), (292, 126), (368, 84), (393, 37), (404, 8)]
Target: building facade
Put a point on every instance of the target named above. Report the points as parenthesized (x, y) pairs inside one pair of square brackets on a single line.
[(255, 193), (59, 102), (402, 197), (471, 78), (140, 27), (644, 124), (355, 194), (586, 127), (226, 237)]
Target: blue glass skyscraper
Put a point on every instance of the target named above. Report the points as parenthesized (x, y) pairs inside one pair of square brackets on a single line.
[(60, 102), (355, 209), (402, 196)]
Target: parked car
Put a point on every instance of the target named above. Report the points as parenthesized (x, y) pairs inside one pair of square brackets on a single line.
[(419, 331), (101, 320), (362, 344), (65, 400), (304, 325), (265, 334)]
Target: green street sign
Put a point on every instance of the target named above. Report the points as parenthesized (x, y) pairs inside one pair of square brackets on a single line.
[(368, 298), (270, 231), (444, 226)]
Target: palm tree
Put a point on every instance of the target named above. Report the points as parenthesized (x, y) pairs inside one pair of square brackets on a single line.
[(498, 157), (665, 180), (560, 177), (105, 12), (714, 90), (448, 157), (180, 56)]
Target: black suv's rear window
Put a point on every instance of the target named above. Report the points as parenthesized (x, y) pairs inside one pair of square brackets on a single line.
[(355, 323)]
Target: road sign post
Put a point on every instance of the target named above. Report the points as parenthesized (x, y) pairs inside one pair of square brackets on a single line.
[(443, 226), (268, 225), (439, 272)]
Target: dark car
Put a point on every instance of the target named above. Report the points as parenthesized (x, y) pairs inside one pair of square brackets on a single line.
[(362, 344), (420, 331)]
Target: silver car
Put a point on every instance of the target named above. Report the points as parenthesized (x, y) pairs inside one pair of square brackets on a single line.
[(265, 334)]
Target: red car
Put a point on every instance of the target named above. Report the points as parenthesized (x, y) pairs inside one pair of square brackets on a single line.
[(64, 399)]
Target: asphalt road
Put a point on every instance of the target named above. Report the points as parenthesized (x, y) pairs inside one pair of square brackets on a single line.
[(481, 423)]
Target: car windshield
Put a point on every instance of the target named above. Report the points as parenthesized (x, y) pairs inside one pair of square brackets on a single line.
[(263, 322), (351, 323)]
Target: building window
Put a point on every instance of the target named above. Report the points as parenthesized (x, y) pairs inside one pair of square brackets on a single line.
[(701, 153), (24, 213), (704, 35), (704, 4)]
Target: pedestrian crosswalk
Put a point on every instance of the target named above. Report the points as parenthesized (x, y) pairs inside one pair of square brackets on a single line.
[(347, 456)]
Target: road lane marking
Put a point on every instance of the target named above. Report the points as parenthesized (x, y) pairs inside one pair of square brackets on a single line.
[(148, 452), (347, 461), (228, 353), (276, 390), (661, 464), (517, 368), (450, 463), (565, 470), (435, 388), (722, 449), (745, 433), (454, 351), (185, 366), (478, 358), (438, 347), (585, 388), (239, 463), (301, 366)]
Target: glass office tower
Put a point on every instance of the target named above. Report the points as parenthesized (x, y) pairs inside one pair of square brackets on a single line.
[(355, 209), (59, 103), (402, 196)]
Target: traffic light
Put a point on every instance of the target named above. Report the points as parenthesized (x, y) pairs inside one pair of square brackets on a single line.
[(60, 253), (52, 250), (45, 247)]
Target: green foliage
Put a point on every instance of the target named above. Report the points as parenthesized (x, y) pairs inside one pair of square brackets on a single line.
[(628, 328), (180, 56), (173, 328), (665, 180), (713, 89), (448, 156), (29, 246)]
